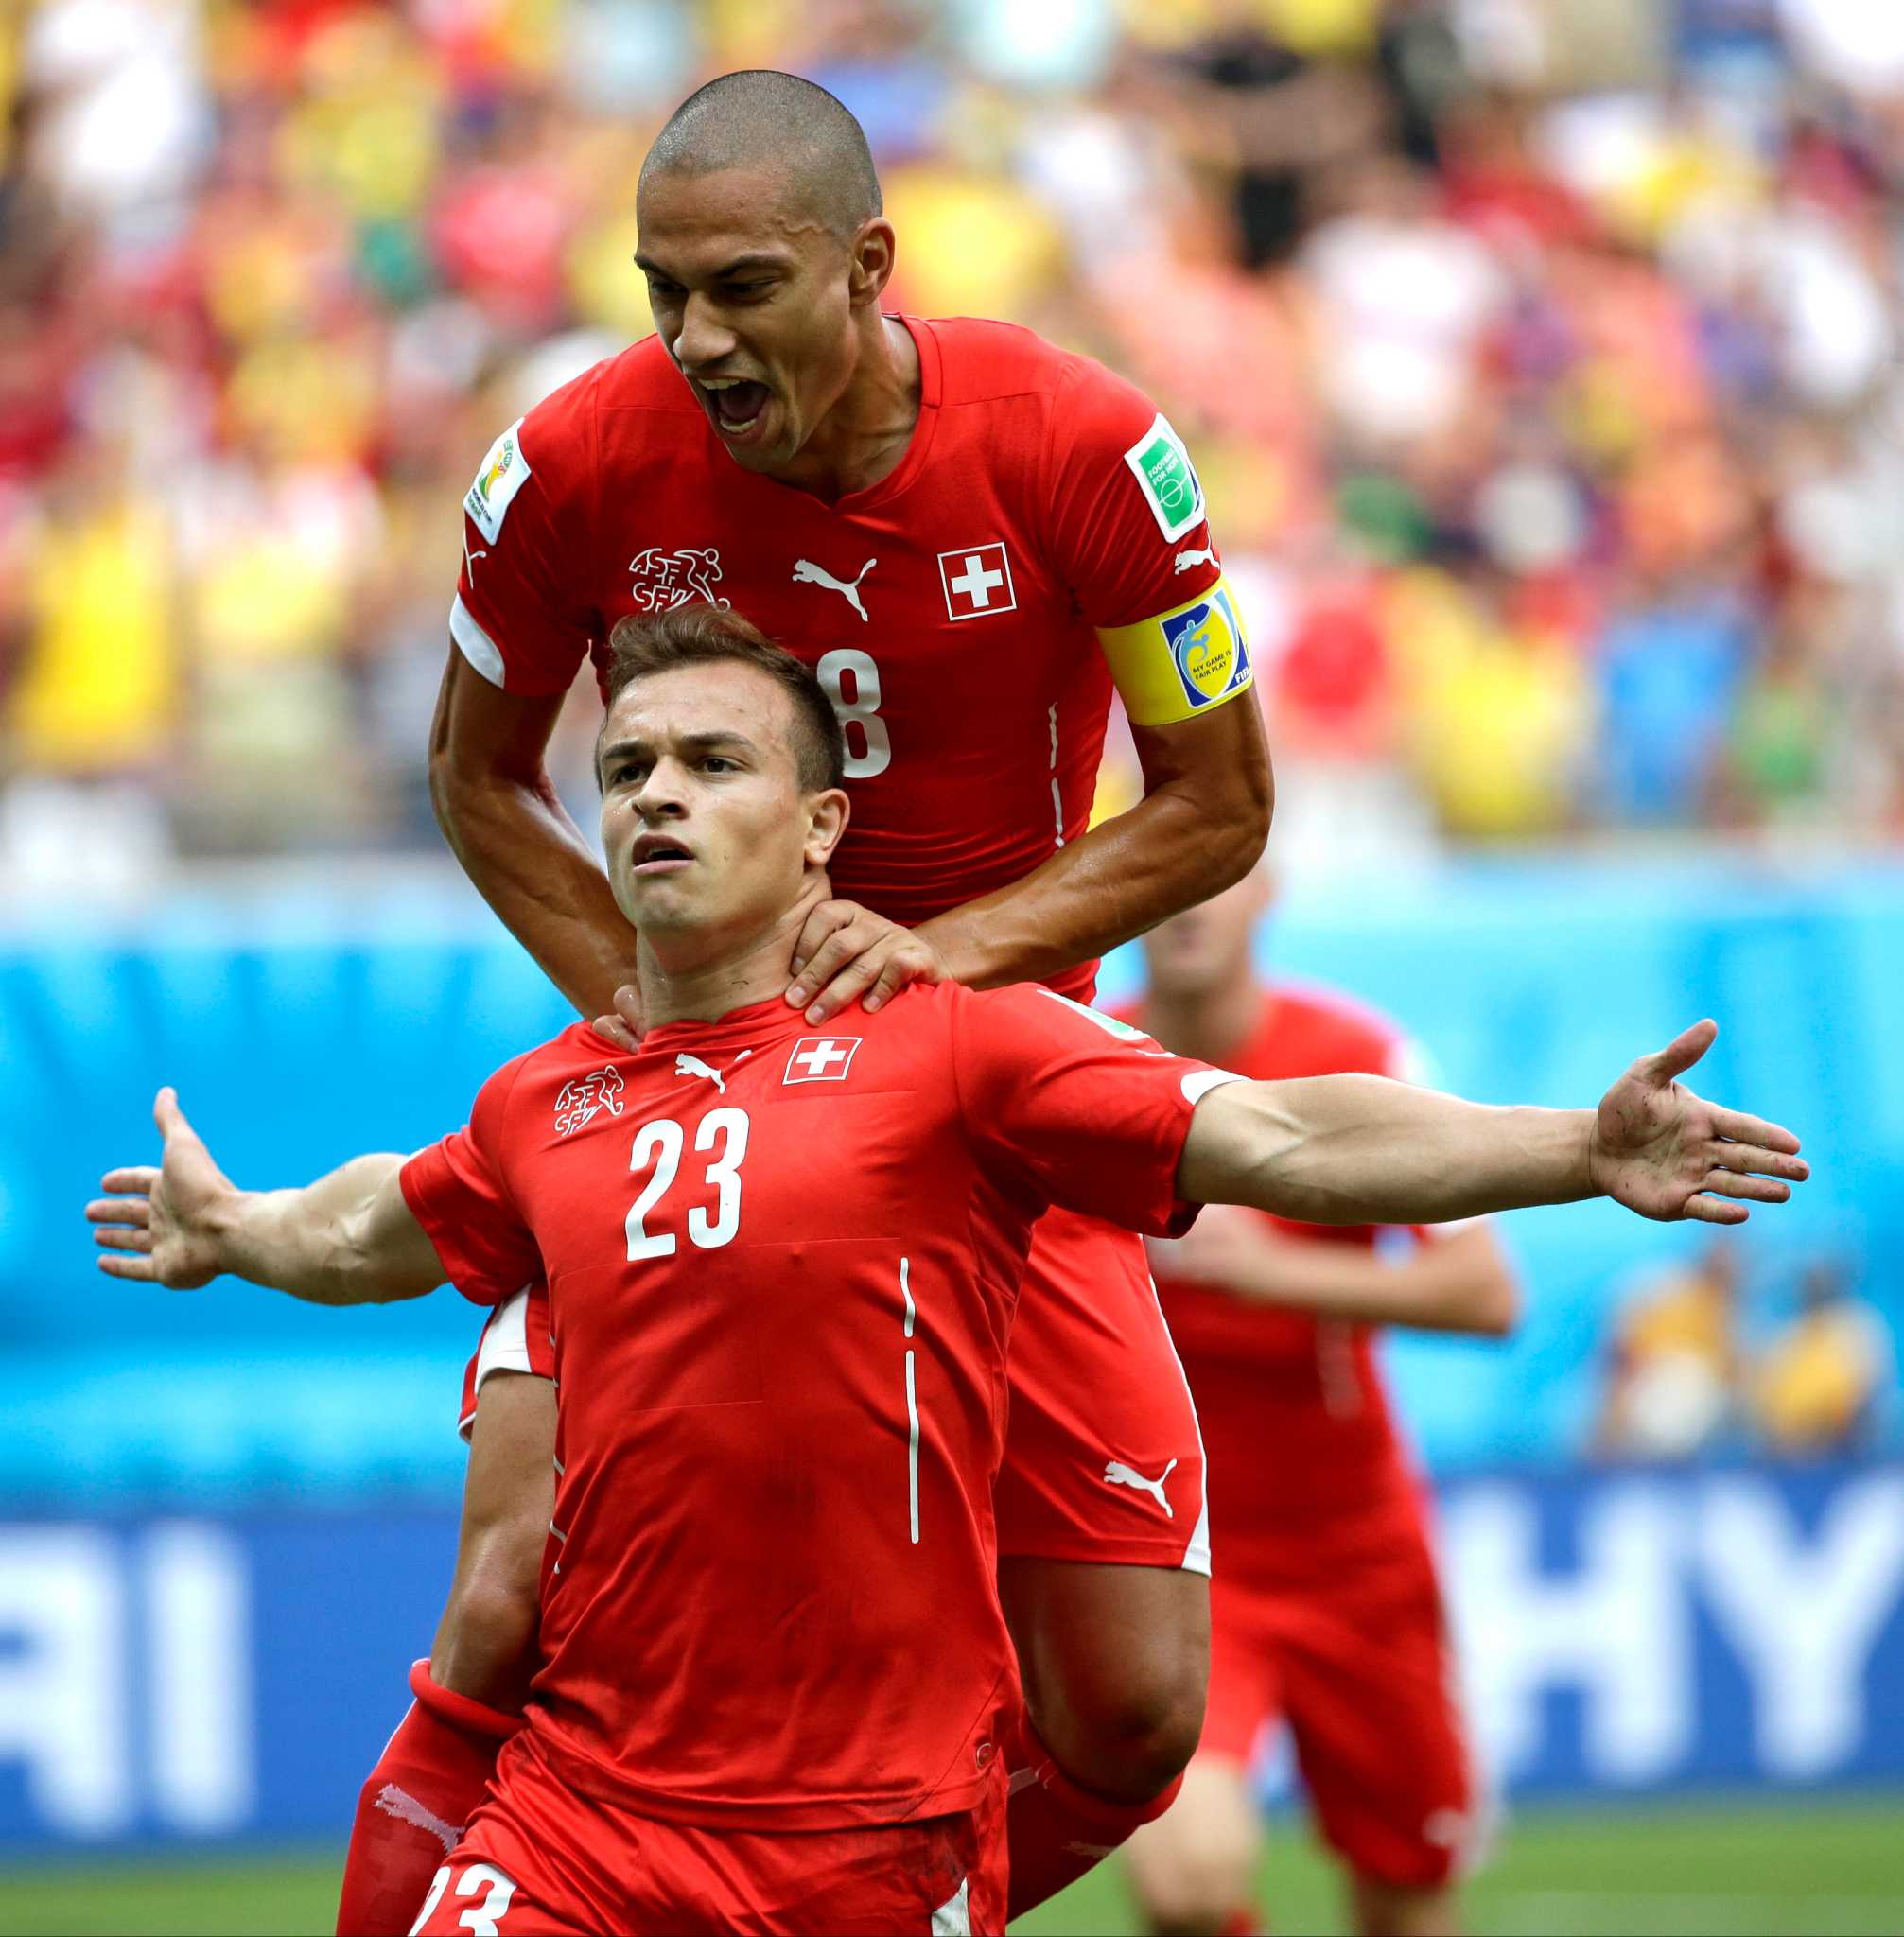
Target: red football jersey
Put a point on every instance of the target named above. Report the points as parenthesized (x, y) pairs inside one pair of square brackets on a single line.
[(782, 1267), (951, 610), (1296, 1422)]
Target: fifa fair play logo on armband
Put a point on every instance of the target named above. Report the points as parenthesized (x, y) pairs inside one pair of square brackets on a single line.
[(504, 472), (1161, 467), (1207, 648)]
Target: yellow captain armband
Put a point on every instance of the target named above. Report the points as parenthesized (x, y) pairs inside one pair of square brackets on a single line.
[(1181, 663)]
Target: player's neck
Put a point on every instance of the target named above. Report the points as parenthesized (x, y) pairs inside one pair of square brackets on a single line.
[(1211, 1026), (862, 440), (701, 977)]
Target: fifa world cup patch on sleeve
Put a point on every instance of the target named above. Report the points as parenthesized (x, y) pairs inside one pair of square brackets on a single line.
[(1182, 662), (504, 472), (1162, 468)]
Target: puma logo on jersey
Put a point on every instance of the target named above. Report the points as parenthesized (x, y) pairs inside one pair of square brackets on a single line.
[(1186, 559), (807, 574), (1118, 1475), (685, 1065)]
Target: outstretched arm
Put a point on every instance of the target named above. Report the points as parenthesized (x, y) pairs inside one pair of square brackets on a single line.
[(1365, 1150), (347, 1239)]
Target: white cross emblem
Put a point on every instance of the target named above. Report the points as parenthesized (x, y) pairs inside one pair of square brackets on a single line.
[(977, 580), (814, 1058)]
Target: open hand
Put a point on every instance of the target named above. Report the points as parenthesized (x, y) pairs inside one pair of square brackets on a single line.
[(845, 951), (162, 1226), (1665, 1153)]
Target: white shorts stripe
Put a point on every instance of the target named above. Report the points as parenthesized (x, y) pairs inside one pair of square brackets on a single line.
[(1197, 1555)]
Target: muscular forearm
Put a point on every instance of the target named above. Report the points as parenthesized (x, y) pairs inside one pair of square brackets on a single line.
[(530, 862), (1365, 1150), (333, 1243), (1107, 887)]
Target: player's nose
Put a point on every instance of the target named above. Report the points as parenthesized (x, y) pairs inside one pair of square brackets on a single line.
[(663, 795), (703, 339)]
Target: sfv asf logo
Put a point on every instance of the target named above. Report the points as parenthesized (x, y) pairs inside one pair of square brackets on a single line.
[(584, 1097), (666, 579)]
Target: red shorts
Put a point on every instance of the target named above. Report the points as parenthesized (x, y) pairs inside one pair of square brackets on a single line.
[(1103, 1460), (540, 1857), (1356, 1661)]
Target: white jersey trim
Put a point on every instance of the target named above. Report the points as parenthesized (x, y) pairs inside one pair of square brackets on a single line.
[(475, 644), (504, 1348), (1200, 1083)]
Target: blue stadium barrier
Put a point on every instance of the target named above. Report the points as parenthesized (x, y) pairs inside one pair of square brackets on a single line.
[(220, 1680), (302, 1026)]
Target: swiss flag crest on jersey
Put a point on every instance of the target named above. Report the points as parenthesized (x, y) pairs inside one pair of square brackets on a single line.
[(977, 581), (821, 1058)]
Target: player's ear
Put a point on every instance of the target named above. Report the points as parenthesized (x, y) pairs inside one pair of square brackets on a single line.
[(827, 811), (874, 248)]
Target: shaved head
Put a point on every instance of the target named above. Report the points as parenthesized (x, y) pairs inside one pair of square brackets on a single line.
[(761, 119)]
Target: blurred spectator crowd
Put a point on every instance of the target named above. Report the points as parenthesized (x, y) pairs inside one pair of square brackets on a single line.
[(1706, 1357), (1540, 360)]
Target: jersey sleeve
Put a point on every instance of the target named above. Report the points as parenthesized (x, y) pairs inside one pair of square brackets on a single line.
[(458, 1192), (1132, 542), (526, 523), (1086, 1109)]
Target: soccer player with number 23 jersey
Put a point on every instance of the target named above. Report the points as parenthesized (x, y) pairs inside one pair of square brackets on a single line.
[(782, 1269)]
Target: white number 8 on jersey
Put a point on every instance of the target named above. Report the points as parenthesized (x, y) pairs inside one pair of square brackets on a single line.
[(861, 710)]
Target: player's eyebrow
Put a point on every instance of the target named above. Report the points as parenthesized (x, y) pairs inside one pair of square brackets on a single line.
[(727, 272), (716, 740)]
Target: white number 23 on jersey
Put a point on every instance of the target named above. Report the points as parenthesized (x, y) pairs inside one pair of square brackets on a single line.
[(722, 1136)]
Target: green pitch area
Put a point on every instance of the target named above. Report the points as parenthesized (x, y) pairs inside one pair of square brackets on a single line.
[(1802, 1870)]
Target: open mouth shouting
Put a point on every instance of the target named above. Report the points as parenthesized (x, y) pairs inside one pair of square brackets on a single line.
[(735, 404)]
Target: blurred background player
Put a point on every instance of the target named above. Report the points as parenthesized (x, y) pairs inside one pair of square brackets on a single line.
[(1326, 1615), (975, 538)]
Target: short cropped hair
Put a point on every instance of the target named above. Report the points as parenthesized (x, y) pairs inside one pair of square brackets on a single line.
[(698, 634), (762, 118)]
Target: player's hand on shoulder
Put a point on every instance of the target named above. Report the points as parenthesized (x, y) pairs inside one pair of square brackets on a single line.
[(1665, 1153), (626, 1026), (161, 1225), (845, 952)]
